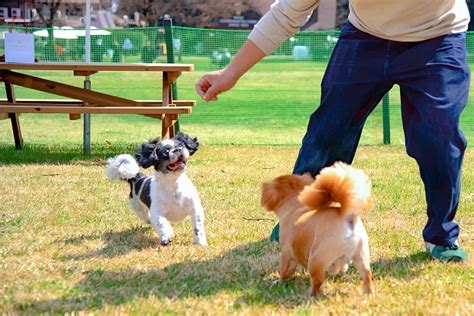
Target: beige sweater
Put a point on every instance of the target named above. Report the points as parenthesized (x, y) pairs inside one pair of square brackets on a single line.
[(397, 20)]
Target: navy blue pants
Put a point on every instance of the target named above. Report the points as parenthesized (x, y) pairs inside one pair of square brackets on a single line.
[(433, 76)]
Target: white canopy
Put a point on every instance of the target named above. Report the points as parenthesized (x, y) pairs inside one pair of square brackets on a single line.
[(70, 33), (63, 34)]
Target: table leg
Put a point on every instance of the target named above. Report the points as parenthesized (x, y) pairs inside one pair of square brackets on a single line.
[(14, 117), (167, 124)]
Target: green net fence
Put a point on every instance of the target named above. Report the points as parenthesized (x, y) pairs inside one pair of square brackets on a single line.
[(271, 104)]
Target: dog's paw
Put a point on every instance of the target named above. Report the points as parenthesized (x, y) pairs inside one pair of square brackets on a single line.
[(165, 241), (368, 290), (200, 241)]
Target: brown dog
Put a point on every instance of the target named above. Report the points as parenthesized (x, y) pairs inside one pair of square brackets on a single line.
[(320, 225)]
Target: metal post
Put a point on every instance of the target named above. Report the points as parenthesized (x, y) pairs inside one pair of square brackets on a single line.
[(86, 142), (87, 26), (386, 119), (168, 25)]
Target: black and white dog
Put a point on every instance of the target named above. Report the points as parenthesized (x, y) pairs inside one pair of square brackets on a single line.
[(168, 195)]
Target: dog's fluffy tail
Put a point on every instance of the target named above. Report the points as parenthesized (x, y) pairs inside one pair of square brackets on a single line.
[(339, 185), (122, 167)]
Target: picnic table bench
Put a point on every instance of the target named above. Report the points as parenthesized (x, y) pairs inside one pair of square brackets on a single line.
[(86, 101)]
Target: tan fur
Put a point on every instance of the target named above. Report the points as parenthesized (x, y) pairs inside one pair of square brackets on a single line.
[(343, 184), (320, 226), (283, 188)]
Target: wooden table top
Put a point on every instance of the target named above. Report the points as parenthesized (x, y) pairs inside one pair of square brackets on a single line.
[(98, 66)]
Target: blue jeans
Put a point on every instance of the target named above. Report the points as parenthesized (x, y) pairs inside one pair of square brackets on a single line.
[(433, 76)]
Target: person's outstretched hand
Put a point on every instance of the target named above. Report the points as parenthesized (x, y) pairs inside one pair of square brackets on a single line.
[(214, 83)]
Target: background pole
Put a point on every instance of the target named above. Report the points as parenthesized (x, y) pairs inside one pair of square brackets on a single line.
[(168, 25), (87, 82), (386, 119)]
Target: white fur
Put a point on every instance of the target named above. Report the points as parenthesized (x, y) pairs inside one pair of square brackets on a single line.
[(140, 209), (122, 167), (350, 244), (173, 198)]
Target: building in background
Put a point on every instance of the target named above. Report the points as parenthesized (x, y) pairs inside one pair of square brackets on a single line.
[(65, 12), (16, 11)]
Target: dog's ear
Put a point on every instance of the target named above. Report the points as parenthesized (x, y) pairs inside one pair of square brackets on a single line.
[(270, 196), (146, 155), (191, 143), (280, 189)]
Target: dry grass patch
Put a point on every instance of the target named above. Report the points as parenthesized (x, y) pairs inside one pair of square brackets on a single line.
[(70, 243)]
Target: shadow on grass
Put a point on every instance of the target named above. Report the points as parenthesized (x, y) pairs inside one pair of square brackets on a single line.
[(247, 270), (59, 154), (401, 267), (116, 243)]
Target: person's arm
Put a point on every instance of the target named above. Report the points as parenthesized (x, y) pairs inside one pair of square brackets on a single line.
[(282, 21), (214, 83)]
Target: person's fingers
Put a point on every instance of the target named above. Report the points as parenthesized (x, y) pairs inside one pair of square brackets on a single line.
[(202, 86), (209, 86), (211, 93), (200, 90)]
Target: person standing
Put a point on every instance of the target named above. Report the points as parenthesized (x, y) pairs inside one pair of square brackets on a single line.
[(418, 45)]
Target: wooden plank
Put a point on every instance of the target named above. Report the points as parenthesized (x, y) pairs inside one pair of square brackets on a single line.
[(160, 102), (52, 101), (28, 108), (63, 89), (14, 117), (160, 67), (84, 72), (167, 125), (61, 102), (166, 88), (74, 117), (172, 76)]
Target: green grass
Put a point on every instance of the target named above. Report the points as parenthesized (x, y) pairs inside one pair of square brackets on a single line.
[(269, 106), (69, 243)]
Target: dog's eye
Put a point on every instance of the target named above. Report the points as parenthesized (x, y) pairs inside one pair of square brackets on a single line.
[(165, 152)]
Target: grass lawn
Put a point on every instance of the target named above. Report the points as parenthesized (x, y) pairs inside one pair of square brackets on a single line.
[(70, 244), (269, 106)]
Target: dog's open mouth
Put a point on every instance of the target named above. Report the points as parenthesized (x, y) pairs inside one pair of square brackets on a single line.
[(177, 165)]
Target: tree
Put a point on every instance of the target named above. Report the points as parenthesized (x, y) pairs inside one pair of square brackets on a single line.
[(342, 12), (48, 12), (199, 13), (146, 8)]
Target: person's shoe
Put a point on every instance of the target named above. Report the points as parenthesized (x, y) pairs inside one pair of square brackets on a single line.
[(275, 235), (442, 253)]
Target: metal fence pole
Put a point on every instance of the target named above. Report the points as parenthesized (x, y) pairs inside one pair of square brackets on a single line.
[(168, 25), (87, 81), (87, 123), (386, 119)]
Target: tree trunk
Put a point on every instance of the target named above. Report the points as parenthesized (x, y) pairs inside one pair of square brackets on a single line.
[(50, 48)]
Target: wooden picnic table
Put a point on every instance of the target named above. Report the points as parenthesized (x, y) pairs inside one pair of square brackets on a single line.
[(84, 100)]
